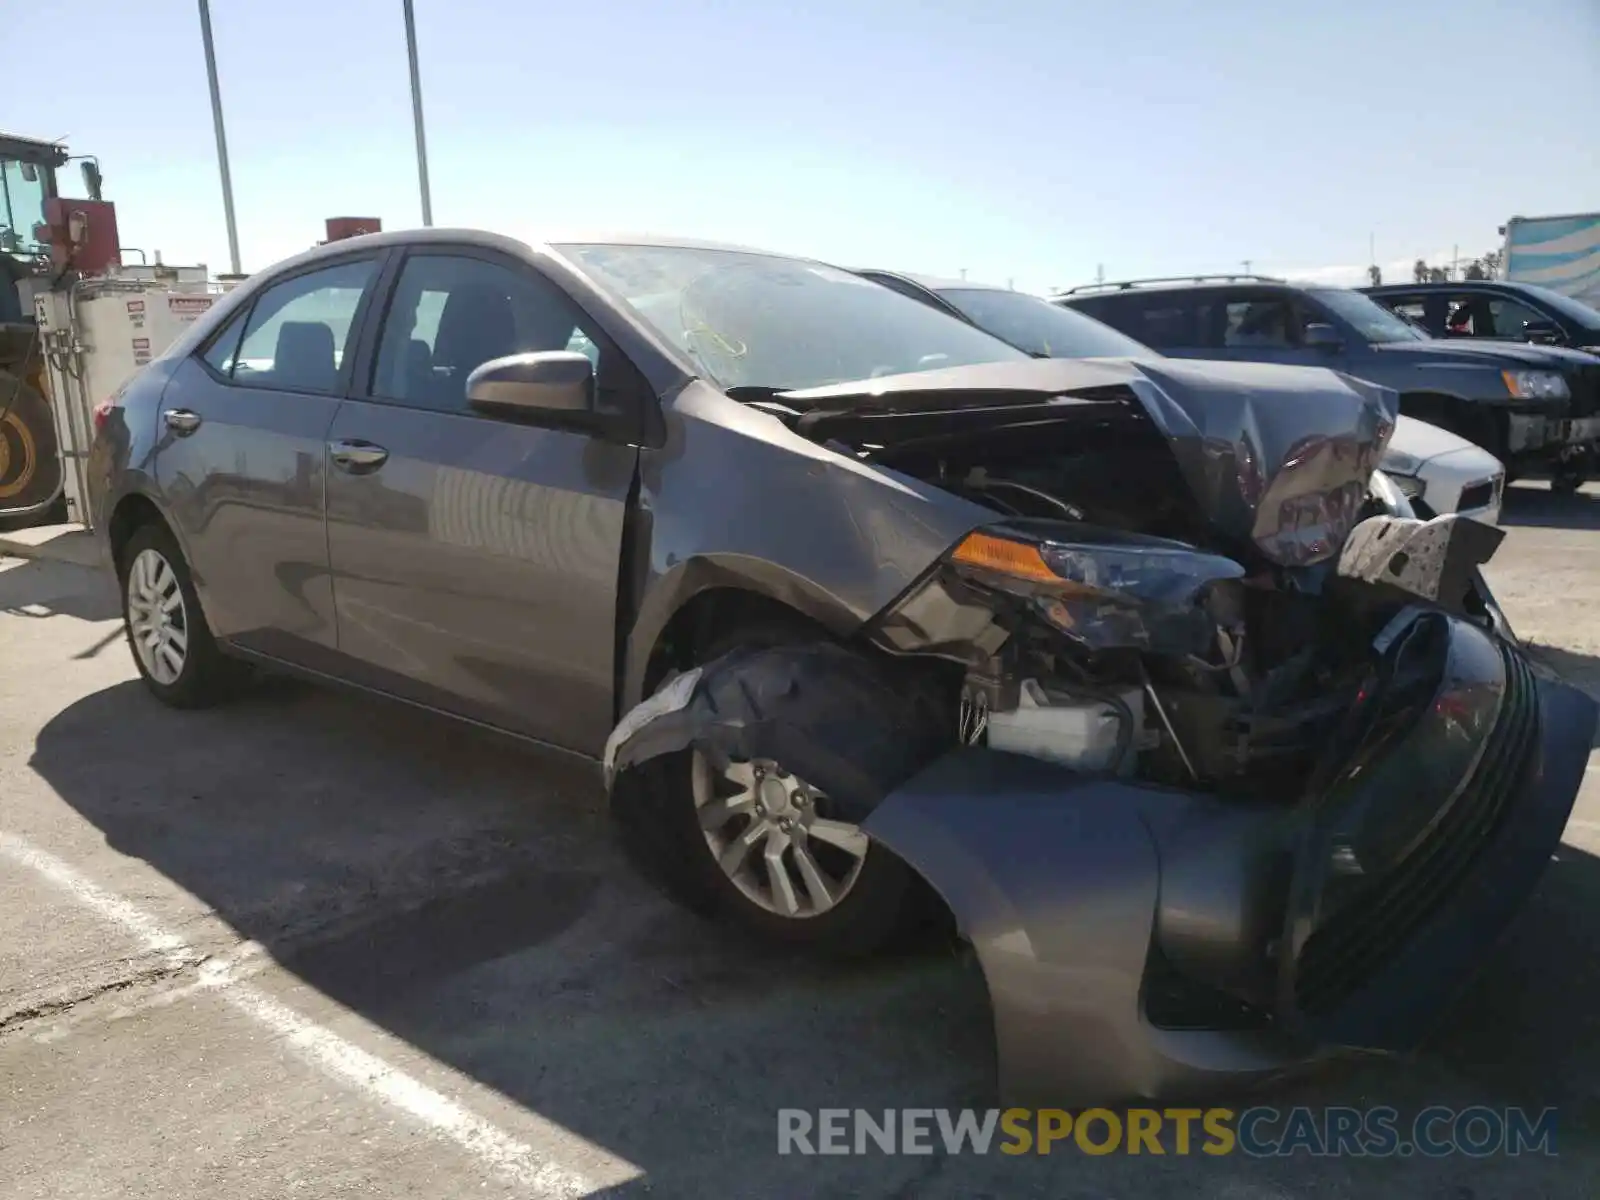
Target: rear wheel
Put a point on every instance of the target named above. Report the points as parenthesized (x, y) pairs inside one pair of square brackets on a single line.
[(172, 645)]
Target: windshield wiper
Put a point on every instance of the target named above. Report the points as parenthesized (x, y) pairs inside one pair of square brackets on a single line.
[(750, 393)]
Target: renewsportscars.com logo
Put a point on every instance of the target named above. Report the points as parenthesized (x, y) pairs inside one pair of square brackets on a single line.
[(1382, 1132)]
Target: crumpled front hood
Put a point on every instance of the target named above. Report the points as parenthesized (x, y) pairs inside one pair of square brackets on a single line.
[(1278, 457)]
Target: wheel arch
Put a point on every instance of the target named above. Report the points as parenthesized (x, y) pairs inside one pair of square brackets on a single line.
[(1482, 424), (715, 592), (132, 512), (135, 509)]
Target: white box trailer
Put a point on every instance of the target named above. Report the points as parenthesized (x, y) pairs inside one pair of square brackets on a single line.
[(1560, 253), (96, 336)]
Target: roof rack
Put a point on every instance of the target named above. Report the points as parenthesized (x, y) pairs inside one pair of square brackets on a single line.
[(1128, 284)]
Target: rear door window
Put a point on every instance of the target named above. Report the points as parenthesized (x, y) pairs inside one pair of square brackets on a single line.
[(1412, 308), (221, 354), (1163, 321), (1259, 323), (301, 329)]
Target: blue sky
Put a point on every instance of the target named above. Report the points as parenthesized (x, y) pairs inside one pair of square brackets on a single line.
[(1018, 139)]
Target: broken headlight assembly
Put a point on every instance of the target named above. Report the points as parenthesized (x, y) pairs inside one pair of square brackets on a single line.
[(1388, 493), (1404, 471), (1103, 589)]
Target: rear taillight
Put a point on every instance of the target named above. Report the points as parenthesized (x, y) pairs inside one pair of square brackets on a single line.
[(102, 413)]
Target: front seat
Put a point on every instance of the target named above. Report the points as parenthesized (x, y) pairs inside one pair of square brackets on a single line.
[(303, 359), (476, 325)]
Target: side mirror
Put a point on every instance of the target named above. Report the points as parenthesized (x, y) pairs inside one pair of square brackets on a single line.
[(1546, 333), (92, 182), (553, 387), (1323, 337)]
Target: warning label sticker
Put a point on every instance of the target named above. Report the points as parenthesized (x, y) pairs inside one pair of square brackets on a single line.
[(189, 307)]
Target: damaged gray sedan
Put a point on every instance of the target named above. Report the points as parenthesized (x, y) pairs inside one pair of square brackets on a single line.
[(1219, 757)]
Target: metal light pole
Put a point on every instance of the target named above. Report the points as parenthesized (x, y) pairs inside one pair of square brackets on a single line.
[(416, 115), (222, 137)]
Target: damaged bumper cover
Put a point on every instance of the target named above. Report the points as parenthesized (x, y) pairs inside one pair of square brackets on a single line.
[(1119, 926), (1143, 942)]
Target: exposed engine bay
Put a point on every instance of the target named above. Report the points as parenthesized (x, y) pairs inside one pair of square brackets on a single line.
[(1175, 590)]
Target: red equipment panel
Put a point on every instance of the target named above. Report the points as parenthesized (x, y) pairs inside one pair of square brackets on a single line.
[(100, 249), (340, 228)]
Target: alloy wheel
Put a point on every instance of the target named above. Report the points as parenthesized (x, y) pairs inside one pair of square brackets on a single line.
[(768, 831), (158, 620)]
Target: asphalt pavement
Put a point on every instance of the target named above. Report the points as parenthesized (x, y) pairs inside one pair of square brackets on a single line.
[(311, 944)]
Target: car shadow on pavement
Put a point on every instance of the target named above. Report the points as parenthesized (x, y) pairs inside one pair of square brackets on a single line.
[(41, 588), (467, 895), (1536, 505)]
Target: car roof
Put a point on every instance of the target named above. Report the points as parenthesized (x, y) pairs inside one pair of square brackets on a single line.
[(498, 241), (934, 283), (1497, 285), (1161, 289)]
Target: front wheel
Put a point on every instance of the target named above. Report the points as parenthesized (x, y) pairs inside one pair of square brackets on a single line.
[(172, 646), (761, 842), (1567, 480), (764, 848)]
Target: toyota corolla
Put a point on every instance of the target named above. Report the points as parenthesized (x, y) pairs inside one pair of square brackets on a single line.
[(1219, 756)]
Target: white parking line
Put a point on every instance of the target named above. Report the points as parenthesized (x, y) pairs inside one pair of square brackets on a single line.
[(92, 896), (493, 1148)]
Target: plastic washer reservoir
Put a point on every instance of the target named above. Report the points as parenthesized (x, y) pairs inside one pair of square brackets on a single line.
[(1071, 730)]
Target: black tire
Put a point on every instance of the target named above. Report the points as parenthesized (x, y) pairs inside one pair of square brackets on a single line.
[(207, 676), (30, 468), (661, 829), (1567, 482)]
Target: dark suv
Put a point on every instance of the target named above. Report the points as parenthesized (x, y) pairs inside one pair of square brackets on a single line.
[(1536, 408), (1494, 309)]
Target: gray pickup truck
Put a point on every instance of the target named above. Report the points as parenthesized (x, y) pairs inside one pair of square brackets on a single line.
[(1536, 408)]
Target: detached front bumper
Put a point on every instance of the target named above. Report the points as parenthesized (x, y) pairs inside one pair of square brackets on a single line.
[(1091, 903)]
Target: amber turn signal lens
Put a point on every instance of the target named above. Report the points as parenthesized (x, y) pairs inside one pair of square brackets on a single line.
[(1021, 560)]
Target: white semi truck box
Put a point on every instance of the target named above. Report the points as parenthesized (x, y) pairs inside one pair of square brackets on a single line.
[(1559, 253)]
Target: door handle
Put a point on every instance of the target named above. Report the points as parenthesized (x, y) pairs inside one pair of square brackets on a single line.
[(181, 421), (357, 457)]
